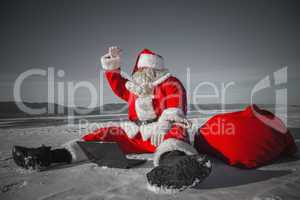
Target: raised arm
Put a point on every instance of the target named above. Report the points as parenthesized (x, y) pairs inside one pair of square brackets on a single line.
[(111, 65)]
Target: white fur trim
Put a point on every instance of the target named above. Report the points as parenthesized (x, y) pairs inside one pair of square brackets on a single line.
[(172, 114), (152, 61), (171, 145), (144, 108), (130, 128), (161, 79), (77, 154), (110, 63), (148, 130)]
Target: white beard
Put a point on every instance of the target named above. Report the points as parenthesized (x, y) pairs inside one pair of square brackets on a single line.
[(142, 81), (142, 85)]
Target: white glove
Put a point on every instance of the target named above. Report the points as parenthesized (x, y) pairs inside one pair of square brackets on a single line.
[(159, 133), (112, 59), (114, 51)]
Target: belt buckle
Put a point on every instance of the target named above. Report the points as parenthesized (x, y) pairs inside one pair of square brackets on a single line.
[(144, 123)]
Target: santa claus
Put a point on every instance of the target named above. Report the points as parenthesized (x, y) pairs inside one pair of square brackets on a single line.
[(157, 107)]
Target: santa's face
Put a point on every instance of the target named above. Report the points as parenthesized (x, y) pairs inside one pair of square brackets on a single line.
[(142, 80)]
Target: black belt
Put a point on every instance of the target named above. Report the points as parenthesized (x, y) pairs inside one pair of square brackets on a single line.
[(139, 122)]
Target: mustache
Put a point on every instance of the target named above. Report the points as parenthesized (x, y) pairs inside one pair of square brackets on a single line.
[(143, 76)]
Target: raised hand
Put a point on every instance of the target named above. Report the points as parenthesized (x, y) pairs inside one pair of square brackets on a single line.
[(114, 51), (111, 60)]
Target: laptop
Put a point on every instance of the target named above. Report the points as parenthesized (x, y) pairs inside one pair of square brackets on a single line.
[(108, 154)]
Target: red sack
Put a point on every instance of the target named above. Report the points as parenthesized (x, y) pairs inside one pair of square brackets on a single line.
[(248, 138)]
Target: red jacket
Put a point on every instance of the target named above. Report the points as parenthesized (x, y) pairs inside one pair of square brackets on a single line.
[(169, 100)]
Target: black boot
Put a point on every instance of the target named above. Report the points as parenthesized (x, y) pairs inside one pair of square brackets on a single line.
[(178, 171), (32, 158), (39, 158), (61, 156)]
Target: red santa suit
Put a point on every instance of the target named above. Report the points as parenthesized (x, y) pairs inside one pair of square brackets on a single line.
[(156, 122)]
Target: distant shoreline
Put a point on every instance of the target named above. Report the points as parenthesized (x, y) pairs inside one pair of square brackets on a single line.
[(11, 110)]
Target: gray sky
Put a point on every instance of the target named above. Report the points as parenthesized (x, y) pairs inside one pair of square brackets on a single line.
[(219, 41)]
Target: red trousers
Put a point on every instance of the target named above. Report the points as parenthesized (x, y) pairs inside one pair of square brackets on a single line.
[(135, 144)]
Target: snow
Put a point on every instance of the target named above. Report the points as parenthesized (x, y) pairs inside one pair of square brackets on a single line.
[(280, 180)]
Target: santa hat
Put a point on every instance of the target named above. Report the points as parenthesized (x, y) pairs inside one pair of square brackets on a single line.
[(148, 58)]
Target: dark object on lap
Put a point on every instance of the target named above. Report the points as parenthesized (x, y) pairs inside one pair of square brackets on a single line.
[(108, 154)]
